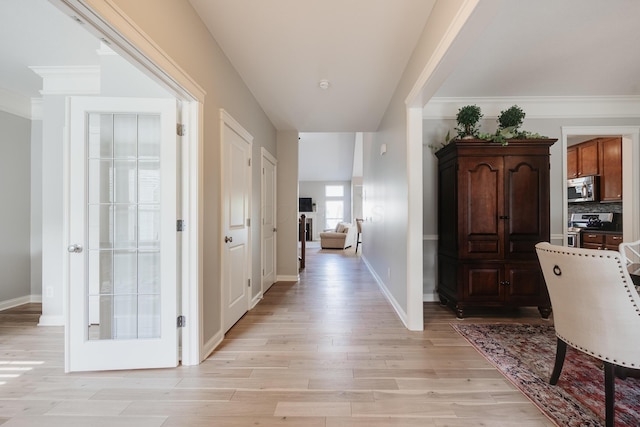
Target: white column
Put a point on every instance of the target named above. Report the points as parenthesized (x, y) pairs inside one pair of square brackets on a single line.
[(58, 83)]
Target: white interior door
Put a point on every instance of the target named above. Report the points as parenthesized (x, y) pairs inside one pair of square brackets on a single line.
[(236, 253), (122, 234), (268, 220)]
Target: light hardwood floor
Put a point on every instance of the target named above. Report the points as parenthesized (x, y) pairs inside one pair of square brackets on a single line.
[(328, 351)]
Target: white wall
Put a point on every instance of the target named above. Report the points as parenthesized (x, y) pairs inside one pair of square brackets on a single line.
[(15, 182), (36, 209), (385, 176), (287, 201)]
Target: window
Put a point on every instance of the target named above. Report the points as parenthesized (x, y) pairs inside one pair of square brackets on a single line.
[(334, 202)]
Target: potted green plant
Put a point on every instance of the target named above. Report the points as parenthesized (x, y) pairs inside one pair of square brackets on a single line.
[(468, 118), (509, 123), (511, 119)]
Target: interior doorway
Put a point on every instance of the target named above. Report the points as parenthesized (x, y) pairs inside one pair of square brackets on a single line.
[(629, 206), (157, 68)]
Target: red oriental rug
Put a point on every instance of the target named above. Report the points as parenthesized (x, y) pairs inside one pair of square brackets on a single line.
[(525, 355)]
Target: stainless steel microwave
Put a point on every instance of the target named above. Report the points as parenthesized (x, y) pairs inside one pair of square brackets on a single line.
[(583, 189)]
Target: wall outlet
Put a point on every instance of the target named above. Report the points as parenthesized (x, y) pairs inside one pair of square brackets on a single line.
[(49, 292)]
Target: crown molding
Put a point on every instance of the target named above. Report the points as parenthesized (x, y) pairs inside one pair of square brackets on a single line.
[(69, 80), (14, 103), (539, 107)]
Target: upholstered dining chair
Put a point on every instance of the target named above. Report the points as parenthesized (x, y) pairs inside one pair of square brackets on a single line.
[(630, 251), (359, 236), (596, 309)]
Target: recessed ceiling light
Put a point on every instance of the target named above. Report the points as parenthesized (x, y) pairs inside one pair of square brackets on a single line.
[(324, 84)]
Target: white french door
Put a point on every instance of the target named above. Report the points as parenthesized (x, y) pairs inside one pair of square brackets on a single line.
[(122, 299)]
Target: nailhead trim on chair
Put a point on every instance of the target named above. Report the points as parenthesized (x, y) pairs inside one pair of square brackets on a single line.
[(626, 285), (599, 356)]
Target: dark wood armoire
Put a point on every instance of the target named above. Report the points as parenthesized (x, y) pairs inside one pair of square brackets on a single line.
[(493, 207)]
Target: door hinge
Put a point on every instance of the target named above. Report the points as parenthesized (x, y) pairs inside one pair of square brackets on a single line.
[(248, 222), (249, 161), (181, 225), (181, 129), (249, 283), (182, 321)]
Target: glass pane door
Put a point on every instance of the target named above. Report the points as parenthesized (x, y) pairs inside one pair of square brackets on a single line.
[(123, 226)]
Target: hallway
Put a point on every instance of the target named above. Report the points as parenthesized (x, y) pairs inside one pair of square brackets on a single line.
[(328, 351)]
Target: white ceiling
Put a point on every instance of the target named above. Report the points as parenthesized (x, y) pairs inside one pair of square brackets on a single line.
[(282, 48), (326, 156), (553, 48), (35, 33)]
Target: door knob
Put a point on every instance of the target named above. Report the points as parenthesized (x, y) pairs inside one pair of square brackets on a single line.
[(228, 239), (74, 249)]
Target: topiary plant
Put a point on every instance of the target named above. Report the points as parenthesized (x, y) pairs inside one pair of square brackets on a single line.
[(509, 122), (468, 118), (511, 118)]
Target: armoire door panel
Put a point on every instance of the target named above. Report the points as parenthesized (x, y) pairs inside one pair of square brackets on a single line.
[(526, 195), (526, 283), (482, 282), (482, 193)]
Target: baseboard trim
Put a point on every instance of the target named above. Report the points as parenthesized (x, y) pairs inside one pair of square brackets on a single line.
[(256, 300), (287, 278), (430, 297), (15, 302), (47, 320), (211, 345)]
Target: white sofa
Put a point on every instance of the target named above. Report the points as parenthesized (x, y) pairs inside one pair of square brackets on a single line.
[(343, 236)]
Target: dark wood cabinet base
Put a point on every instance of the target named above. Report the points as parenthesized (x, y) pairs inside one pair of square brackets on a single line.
[(460, 309)]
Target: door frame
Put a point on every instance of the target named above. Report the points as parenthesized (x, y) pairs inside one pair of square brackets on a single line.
[(267, 157), (226, 120), (630, 175), (107, 22)]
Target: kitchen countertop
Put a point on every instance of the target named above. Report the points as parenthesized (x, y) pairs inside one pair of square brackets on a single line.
[(615, 233)]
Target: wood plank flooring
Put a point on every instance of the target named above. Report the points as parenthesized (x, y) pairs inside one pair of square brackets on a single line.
[(328, 351)]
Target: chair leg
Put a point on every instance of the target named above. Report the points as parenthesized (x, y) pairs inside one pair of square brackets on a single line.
[(609, 393), (357, 242), (561, 351)]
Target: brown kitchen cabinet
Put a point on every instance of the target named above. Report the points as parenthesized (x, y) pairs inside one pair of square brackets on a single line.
[(599, 156), (602, 241), (612, 241), (593, 240), (572, 162), (610, 169), (493, 207), (588, 158)]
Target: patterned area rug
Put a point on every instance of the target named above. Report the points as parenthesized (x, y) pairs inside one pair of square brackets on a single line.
[(525, 355)]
